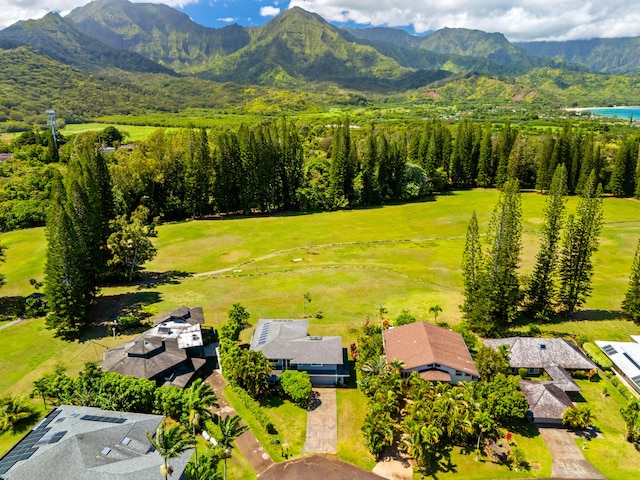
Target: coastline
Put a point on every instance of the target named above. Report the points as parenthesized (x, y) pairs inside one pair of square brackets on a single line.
[(583, 109)]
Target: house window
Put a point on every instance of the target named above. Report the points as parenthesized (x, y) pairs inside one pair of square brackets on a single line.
[(317, 364), (459, 374), (532, 371)]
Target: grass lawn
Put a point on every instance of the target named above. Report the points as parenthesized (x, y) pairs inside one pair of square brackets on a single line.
[(612, 455), (525, 436), (352, 407), (132, 133), (290, 422), (406, 257)]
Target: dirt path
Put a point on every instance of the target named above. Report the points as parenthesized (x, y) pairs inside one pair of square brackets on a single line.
[(247, 443), (322, 423), (568, 461)]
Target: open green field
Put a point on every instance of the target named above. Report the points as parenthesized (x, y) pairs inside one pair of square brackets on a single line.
[(405, 257), (133, 133), (401, 256)]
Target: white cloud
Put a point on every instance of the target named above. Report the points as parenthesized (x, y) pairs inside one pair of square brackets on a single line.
[(15, 10), (228, 19), (269, 11), (517, 19)]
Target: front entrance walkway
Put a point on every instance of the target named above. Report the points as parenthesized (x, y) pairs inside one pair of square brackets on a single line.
[(247, 443), (568, 461), (322, 423)]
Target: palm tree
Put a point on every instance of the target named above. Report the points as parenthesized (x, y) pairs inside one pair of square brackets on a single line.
[(435, 309), (200, 399), (170, 442), (12, 411), (376, 367), (483, 422), (230, 429)]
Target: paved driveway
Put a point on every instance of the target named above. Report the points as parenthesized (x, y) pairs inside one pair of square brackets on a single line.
[(322, 423), (568, 461)]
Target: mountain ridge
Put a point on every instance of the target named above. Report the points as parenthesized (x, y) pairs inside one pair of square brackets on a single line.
[(59, 39)]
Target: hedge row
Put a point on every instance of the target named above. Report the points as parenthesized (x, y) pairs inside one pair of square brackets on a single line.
[(255, 409), (597, 356)]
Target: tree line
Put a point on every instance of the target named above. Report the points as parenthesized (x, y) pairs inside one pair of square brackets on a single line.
[(561, 278), (279, 165), (86, 242)]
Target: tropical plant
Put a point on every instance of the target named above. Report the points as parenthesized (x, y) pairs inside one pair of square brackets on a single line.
[(435, 309), (12, 411), (578, 417), (631, 416), (229, 429), (200, 399), (170, 441)]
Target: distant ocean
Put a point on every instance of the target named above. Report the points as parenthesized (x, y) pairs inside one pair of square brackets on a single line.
[(620, 112)]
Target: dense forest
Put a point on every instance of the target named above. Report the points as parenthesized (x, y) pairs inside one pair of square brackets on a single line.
[(281, 166)]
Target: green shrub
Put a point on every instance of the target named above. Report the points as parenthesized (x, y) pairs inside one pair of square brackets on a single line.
[(297, 386), (255, 409), (597, 356)]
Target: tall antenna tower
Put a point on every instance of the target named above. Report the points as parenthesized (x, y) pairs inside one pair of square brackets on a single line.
[(51, 121)]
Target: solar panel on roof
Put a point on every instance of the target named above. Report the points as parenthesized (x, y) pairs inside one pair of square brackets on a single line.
[(96, 418), (5, 466), (57, 436), (609, 350), (264, 333)]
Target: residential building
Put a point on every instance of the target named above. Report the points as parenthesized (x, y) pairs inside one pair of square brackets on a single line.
[(80, 443), (548, 399), (625, 357), (171, 352), (437, 354), (288, 346)]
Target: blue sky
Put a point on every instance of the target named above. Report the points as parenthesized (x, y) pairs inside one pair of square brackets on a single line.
[(518, 20)]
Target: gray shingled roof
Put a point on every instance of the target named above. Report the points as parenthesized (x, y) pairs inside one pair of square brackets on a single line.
[(530, 352), (80, 452), (192, 315), (288, 339), (547, 402), (161, 350)]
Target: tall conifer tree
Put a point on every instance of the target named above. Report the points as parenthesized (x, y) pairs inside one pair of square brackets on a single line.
[(68, 284), (631, 303), (541, 291), (580, 242), (472, 270)]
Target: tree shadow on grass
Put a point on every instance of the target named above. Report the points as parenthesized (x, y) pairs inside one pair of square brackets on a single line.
[(156, 279), (523, 428), (9, 307), (109, 307)]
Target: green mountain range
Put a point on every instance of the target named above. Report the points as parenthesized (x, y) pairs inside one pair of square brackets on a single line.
[(59, 39), (134, 57), (157, 32), (604, 55)]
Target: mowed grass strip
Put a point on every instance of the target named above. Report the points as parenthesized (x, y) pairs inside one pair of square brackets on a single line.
[(610, 453)]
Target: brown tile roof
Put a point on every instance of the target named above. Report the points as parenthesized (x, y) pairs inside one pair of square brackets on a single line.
[(421, 343), (435, 376)]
